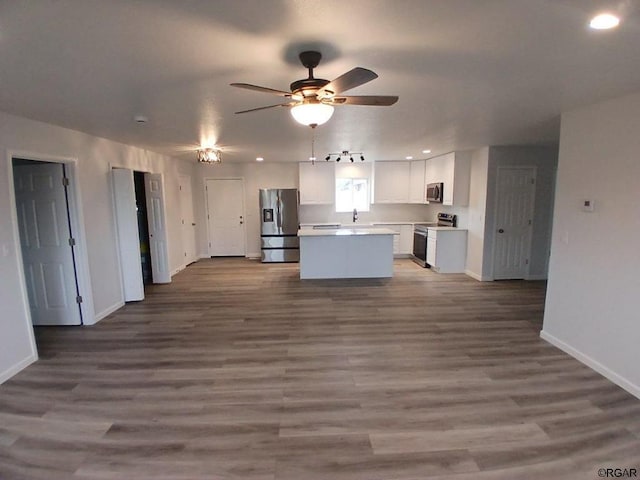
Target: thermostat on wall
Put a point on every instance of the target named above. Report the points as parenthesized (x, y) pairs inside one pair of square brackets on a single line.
[(587, 206)]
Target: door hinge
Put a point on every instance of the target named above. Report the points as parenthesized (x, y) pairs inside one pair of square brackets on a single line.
[(79, 299), (72, 242), (533, 181), (65, 182), (526, 262), (530, 222), (209, 244)]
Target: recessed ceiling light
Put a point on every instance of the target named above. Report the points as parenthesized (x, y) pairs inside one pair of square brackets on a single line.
[(140, 119), (426, 151), (409, 157), (604, 21), (259, 159)]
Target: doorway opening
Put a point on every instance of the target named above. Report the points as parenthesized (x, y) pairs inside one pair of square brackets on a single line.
[(141, 230), (225, 216), (143, 227), (515, 203), (48, 242)]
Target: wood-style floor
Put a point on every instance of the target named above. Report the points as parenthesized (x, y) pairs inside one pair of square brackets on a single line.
[(239, 370)]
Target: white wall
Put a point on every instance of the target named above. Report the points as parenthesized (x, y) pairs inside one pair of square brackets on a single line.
[(476, 212), (479, 216), (256, 175), (592, 296), (92, 157)]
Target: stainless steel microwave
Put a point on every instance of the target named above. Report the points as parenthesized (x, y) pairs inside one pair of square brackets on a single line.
[(434, 192)]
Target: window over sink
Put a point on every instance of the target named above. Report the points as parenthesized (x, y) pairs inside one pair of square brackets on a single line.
[(352, 193)]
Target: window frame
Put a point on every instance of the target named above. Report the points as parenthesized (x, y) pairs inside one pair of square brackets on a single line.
[(367, 183)]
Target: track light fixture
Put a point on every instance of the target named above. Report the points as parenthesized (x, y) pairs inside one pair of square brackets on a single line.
[(344, 153)]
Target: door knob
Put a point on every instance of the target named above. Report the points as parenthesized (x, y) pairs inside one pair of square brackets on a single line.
[(501, 230), (193, 224)]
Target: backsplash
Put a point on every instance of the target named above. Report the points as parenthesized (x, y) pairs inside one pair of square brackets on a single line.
[(380, 213)]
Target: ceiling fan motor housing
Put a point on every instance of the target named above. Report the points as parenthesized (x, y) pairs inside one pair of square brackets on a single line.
[(308, 87)]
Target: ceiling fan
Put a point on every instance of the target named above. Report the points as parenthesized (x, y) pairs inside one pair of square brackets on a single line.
[(313, 99)]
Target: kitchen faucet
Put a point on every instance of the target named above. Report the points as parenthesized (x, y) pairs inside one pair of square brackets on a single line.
[(355, 215)]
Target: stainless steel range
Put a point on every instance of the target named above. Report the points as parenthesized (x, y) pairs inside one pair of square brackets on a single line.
[(420, 236)]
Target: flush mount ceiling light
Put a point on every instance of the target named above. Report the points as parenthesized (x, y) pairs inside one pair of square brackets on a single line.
[(312, 113), (209, 155), (604, 21), (259, 159), (426, 151)]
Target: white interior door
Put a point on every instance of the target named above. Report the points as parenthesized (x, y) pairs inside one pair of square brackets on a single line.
[(187, 219), (225, 216), (128, 233), (514, 222), (46, 244), (154, 191)]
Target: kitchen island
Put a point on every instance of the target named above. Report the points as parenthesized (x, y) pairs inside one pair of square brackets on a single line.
[(346, 253)]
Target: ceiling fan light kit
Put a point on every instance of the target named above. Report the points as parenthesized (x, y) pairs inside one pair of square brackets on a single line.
[(312, 114), (312, 99), (209, 156)]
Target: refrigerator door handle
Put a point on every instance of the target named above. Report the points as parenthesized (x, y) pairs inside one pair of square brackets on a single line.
[(279, 215)]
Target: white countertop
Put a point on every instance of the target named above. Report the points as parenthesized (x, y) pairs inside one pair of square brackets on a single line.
[(438, 229), (360, 225), (331, 232)]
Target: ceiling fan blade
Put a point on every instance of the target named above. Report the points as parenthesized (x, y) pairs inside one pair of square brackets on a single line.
[(373, 100), (258, 88), (353, 78), (290, 104)]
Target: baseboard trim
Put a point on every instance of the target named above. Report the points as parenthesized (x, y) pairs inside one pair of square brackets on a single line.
[(541, 276), (106, 312), (622, 382), (21, 365), (254, 255), (475, 276), (178, 270)]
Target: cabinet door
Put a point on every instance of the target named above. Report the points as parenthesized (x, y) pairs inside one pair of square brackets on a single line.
[(392, 182), (448, 169), (428, 176), (406, 239), (317, 183), (431, 251), (416, 182)]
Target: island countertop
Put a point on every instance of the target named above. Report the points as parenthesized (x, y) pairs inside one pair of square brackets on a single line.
[(334, 232)]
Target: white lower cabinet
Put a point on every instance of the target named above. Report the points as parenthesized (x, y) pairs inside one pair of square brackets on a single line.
[(447, 250), (431, 252), (403, 240)]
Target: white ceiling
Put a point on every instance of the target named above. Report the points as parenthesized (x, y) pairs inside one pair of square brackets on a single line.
[(468, 72)]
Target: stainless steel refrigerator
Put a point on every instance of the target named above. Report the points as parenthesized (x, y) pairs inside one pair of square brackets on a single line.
[(279, 222)]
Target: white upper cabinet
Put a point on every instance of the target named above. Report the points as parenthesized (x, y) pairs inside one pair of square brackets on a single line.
[(417, 192), (453, 170), (391, 181), (317, 183)]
